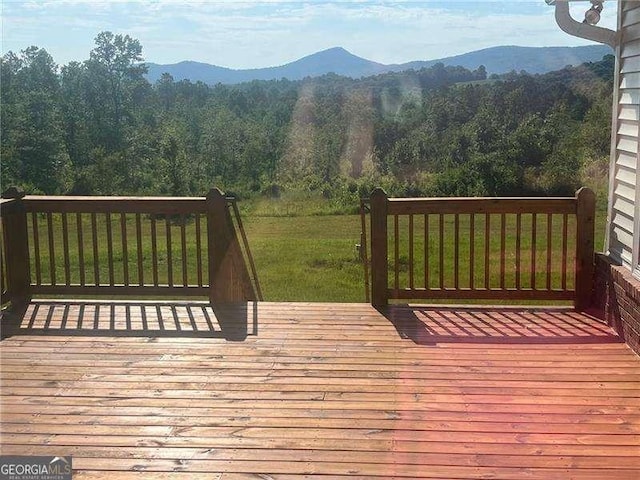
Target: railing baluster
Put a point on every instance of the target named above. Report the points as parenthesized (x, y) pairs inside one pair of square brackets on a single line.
[(411, 284), (83, 279), (518, 249), (110, 249), (167, 223), (140, 256), (52, 254), (396, 235), (3, 272), (472, 252), (125, 250), (503, 248), (441, 227), (36, 248), (565, 221), (487, 251), (456, 252), (154, 250), (549, 232), (534, 244), (426, 251), (183, 242), (96, 258), (198, 251), (65, 249)]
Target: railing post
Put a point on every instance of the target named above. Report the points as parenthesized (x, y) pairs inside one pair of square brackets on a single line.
[(16, 245), (229, 279), (585, 266), (379, 263)]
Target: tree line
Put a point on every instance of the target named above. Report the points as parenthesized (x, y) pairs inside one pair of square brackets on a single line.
[(99, 127)]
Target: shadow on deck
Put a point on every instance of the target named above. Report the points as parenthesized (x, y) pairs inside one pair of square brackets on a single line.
[(232, 322), (424, 325), (507, 325)]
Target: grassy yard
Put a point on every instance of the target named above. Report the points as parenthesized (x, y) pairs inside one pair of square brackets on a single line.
[(310, 258)]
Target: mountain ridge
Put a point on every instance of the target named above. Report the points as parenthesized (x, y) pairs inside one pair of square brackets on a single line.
[(338, 60)]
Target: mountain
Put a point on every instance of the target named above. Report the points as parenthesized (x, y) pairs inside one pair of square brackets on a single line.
[(340, 61), (530, 59), (336, 60)]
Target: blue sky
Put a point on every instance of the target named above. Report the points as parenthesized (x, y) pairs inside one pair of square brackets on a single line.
[(252, 34)]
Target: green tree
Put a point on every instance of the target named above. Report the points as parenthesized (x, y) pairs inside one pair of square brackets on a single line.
[(34, 154), (114, 74)]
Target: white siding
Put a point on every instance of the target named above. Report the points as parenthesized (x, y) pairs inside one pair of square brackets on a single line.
[(623, 212)]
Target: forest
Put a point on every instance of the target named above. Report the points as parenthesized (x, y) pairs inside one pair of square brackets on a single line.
[(99, 127)]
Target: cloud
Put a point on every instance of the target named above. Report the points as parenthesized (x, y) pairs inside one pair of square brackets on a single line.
[(243, 34)]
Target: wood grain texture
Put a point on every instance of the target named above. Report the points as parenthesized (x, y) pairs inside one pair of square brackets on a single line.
[(166, 390)]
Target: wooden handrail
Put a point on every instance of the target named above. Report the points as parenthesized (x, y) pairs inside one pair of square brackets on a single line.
[(160, 246), (506, 205), (146, 205), (519, 267)]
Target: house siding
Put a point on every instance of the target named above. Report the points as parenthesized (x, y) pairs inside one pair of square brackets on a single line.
[(624, 172), (616, 289)]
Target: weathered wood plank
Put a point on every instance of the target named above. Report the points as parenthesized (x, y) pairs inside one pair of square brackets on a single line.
[(340, 391), (332, 456), (21, 421)]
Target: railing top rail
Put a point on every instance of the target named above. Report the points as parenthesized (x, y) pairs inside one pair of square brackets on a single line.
[(98, 198), (95, 204), (476, 199), (406, 206)]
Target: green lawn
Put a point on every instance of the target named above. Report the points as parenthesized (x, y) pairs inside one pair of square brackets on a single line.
[(307, 258)]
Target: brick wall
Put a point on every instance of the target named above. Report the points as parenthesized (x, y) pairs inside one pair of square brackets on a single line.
[(617, 294)]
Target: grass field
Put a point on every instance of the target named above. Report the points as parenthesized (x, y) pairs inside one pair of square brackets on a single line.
[(310, 258), (314, 258), (298, 258)]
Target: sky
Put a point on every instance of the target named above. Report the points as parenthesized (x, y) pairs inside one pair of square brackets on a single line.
[(255, 34)]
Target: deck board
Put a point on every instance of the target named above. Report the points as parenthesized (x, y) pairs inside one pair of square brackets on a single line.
[(329, 391)]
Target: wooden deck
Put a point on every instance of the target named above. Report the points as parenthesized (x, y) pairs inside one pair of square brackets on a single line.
[(280, 391)]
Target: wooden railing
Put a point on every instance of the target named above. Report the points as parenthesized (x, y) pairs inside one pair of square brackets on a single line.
[(482, 248), (143, 246)]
